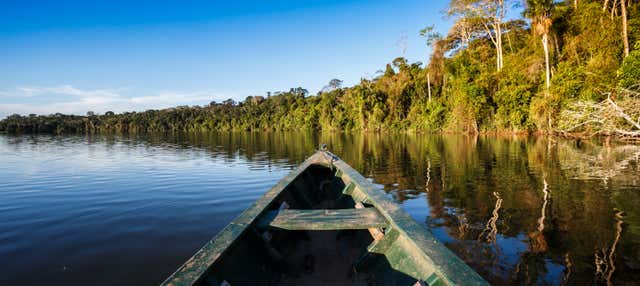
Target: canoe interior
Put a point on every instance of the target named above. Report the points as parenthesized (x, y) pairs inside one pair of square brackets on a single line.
[(324, 224), (306, 257)]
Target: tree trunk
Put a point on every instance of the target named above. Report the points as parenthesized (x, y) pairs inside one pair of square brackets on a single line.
[(625, 36), (429, 85), (497, 57), (545, 45), (499, 45)]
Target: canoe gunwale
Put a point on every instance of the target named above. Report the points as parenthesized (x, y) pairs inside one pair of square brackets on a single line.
[(445, 264), (438, 263), (192, 271)]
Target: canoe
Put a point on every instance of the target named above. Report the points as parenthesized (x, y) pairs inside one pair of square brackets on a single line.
[(324, 224)]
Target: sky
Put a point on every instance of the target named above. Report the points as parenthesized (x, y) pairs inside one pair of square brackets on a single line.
[(76, 56)]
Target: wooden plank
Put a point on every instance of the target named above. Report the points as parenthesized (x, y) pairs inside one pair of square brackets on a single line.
[(376, 233), (359, 196), (378, 246), (348, 189), (333, 219), (383, 244), (414, 251)]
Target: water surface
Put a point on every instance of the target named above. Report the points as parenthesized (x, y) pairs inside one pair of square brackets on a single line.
[(124, 210)]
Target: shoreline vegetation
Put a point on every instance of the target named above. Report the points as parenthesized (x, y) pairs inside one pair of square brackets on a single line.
[(563, 68)]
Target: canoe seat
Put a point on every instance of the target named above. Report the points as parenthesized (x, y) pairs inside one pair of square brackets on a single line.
[(330, 219)]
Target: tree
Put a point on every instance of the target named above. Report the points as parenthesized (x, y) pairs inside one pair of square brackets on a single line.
[(625, 26), (400, 63), (629, 72), (335, 83), (433, 38), (539, 11), (332, 85), (489, 13), (625, 34), (462, 32), (299, 91)]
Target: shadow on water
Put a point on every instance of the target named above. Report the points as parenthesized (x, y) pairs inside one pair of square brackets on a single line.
[(521, 210)]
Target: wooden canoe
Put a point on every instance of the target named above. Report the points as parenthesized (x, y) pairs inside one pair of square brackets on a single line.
[(324, 224)]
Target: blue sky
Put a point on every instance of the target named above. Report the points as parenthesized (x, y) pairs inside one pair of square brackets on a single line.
[(75, 56)]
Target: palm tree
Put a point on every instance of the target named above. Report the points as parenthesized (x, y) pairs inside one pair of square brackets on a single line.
[(539, 11)]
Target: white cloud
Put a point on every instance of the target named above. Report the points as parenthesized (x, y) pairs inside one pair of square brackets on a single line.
[(30, 91), (97, 100), (176, 98)]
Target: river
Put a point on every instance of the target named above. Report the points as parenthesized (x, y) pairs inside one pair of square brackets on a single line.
[(128, 210)]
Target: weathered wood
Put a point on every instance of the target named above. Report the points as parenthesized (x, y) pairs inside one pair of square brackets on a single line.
[(348, 189), (192, 271), (376, 233), (416, 252), (378, 246), (363, 218), (359, 196), (407, 246)]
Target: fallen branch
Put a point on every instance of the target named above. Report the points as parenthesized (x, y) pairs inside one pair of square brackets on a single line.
[(622, 114), (604, 118)]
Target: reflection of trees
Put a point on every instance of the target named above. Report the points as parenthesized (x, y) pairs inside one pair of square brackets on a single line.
[(491, 229), (538, 243), (428, 175), (491, 188), (544, 206), (461, 177), (567, 274), (600, 162), (604, 258)]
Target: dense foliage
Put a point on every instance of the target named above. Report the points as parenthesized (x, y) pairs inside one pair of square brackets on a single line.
[(486, 74)]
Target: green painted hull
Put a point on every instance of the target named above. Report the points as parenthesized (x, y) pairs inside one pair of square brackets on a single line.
[(324, 224)]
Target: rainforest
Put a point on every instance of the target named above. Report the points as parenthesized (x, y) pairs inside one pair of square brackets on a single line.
[(561, 67)]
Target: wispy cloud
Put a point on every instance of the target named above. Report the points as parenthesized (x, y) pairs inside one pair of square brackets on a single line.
[(48, 100), (31, 91), (174, 97)]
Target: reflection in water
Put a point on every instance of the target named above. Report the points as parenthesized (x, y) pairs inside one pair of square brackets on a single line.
[(567, 271), (544, 206), (491, 229), (602, 162), (538, 243), (604, 258), (426, 185), (519, 210)]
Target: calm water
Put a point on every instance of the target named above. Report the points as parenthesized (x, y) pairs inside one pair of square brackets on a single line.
[(130, 210)]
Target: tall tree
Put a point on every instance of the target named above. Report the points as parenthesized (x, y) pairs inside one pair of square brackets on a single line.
[(462, 32), (539, 11), (623, 4), (433, 38), (332, 85), (625, 35), (490, 13)]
